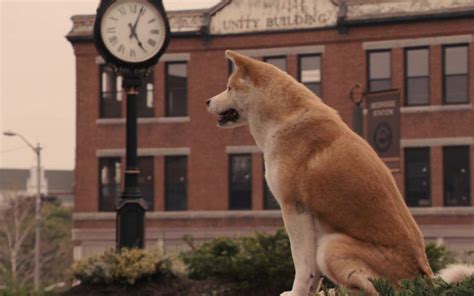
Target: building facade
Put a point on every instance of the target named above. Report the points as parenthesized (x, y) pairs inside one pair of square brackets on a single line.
[(204, 181)]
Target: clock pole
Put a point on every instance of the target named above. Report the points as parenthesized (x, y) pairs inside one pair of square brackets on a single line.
[(133, 58), (131, 207)]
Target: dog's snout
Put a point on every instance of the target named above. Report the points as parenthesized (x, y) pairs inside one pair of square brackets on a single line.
[(208, 102)]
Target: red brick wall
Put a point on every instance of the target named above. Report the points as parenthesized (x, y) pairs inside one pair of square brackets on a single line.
[(343, 66)]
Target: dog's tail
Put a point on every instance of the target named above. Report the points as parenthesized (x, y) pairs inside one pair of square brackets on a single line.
[(456, 273)]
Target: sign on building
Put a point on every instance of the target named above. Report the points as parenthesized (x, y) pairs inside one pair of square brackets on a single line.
[(246, 16), (384, 126)]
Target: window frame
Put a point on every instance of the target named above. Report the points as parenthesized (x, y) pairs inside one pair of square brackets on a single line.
[(406, 78), (430, 191), (167, 64), (100, 96), (165, 184), (151, 206), (266, 58), (99, 179), (145, 90), (368, 52), (443, 73), (469, 183), (229, 177), (299, 58)]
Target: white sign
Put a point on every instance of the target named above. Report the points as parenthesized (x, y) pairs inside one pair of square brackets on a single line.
[(246, 16), (311, 76)]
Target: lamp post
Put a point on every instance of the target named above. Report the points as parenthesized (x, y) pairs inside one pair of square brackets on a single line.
[(37, 150)]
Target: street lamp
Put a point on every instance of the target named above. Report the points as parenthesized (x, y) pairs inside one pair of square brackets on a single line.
[(37, 151)]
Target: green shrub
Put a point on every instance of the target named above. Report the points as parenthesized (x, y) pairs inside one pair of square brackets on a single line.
[(259, 262), (438, 256), (126, 267)]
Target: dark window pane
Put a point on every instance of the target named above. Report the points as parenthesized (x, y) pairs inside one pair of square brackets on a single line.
[(176, 79), (314, 87), (240, 179), (279, 62), (455, 60), (379, 65), (456, 89), (378, 85), (417, 177), (146, 180), (417, 91), (176, 183), (110, 94), (145, 103), (231, 66), (417, 62), (456, 175), (269, 201), (109, 183), (310, 72)]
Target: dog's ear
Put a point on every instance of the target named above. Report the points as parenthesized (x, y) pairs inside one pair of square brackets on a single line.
[(240, 61)]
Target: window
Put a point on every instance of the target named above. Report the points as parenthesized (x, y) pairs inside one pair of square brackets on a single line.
[(379, 70), (269, 201), (231, 67), (417, 83), (240, 180), (145, 102), (110, 93), (279, 62), (176, 183), (309, 72), (456, 77), (176, 89), (456, 175), (110, 178), (146, 180), (417, 177)]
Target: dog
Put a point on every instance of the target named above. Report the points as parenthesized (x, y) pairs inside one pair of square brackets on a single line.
[(341, 207)]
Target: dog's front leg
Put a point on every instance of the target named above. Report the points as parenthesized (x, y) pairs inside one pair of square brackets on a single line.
[(302, 230)]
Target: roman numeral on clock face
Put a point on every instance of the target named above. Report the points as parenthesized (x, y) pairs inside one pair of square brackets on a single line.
[(122, 10), (113, 40), (133, 8), (132, 53), (152, 42), (111, 30), (121, 49), (155, 32)]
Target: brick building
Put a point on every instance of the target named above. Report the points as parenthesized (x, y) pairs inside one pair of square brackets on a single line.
[(205, 181)]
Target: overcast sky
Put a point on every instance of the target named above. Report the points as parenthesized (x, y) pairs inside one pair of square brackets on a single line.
[(37, 78)]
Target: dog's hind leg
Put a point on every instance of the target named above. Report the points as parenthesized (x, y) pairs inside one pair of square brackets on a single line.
[(340, 257), (302, 230)]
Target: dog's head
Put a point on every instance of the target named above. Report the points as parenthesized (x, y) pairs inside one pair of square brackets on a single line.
[(232, 106)]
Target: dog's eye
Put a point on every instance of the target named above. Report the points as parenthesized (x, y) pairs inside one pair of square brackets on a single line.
[(228, 88)]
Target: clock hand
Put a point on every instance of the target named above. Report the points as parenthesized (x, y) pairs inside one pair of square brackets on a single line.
[(134, 29), (134, 34)]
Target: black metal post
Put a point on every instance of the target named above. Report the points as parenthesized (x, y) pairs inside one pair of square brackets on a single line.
[(358, 120), (130, 230)]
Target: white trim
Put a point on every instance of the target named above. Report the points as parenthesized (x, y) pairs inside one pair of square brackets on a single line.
[(181, 119), (282, 51), (186, 215), (435, 108), (175, 57), (433, 142), (385, 44), (442, 211), (242, 149), (145, 152)]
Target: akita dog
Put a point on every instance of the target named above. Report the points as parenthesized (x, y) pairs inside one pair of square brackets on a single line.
[(343, 212)]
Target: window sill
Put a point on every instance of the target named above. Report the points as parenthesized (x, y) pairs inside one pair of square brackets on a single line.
[(110, 121), (435, 108)]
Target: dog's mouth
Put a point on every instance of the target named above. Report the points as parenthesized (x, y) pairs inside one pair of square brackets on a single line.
[(230, 115)]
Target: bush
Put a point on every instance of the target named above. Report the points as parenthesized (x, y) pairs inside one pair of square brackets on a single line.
[(260, 262), (126, 267), (438, 256)]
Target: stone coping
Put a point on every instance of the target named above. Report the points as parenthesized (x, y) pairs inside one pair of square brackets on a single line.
[(263, 214)]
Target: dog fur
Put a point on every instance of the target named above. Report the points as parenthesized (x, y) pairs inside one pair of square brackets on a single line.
[(341, 207)]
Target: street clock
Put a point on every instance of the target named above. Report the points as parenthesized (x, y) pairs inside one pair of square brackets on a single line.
[(131, 34)]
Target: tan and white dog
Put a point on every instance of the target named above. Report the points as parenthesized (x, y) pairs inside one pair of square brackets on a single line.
[(343, 212)]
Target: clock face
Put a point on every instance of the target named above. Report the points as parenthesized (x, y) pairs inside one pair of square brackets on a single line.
[(133, 30)]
